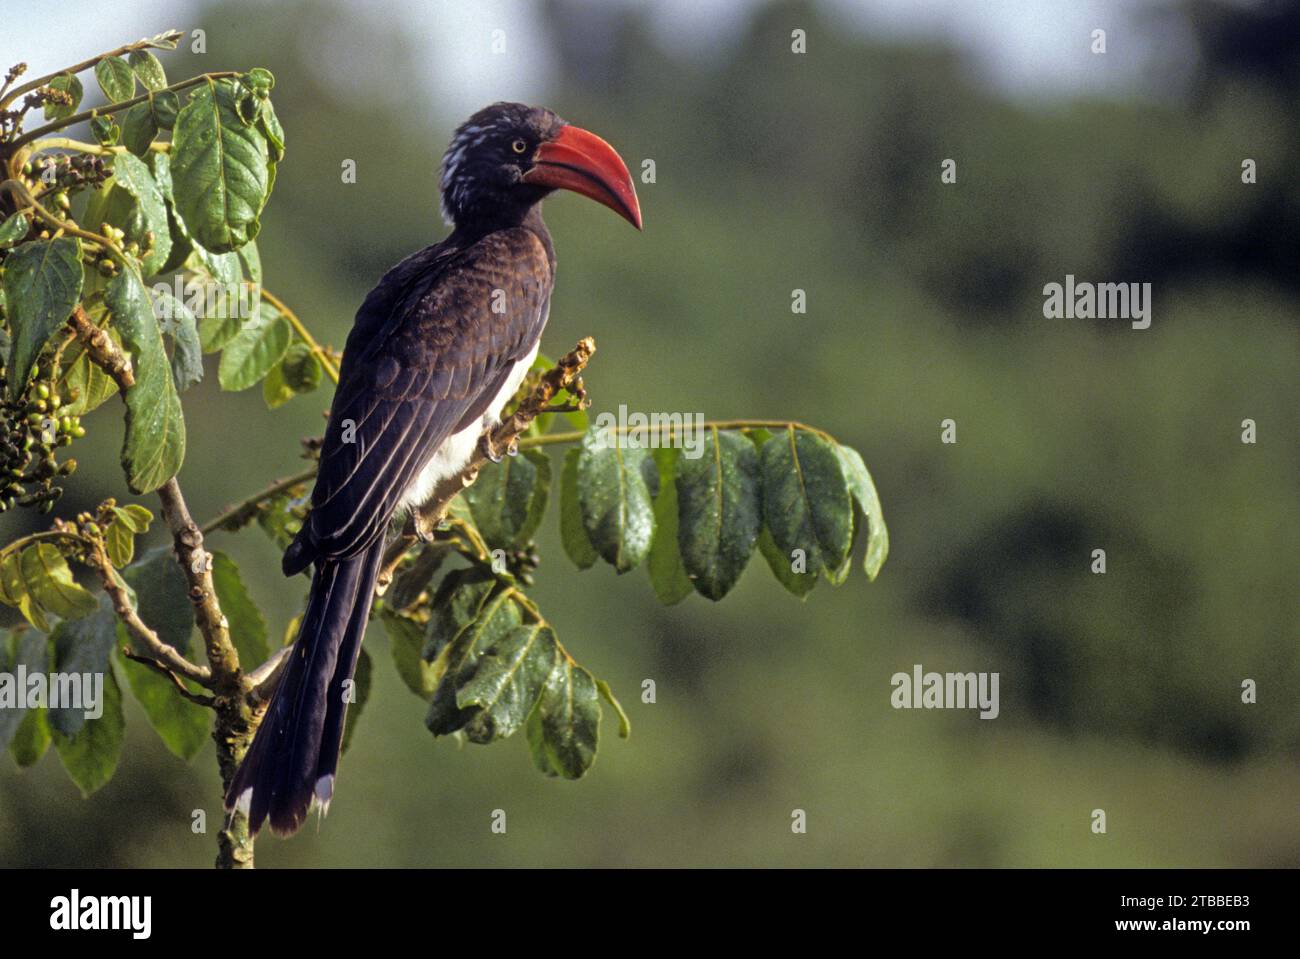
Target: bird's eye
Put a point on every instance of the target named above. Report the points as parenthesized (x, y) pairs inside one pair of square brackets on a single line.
[(519, 146)]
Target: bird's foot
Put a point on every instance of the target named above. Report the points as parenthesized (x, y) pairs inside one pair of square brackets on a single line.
[(487, 449), (423, 527)]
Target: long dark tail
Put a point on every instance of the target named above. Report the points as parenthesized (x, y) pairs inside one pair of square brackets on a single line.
[(295, 754)]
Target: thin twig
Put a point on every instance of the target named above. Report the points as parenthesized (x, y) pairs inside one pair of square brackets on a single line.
[(111, 108), (85, 65), (245, 510), (207, 701)]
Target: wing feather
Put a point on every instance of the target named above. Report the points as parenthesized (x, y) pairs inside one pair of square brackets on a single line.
[(427, 354)]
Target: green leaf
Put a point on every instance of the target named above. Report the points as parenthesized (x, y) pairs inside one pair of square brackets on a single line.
[(13, 230), (119, 544), (165, 106), (82, 647), (573, 536), (133, 176), (71, 85), (31, 739), (30, 650), (413, 580), (219, 169), (247, 627), (177, 322), (864, 491), (119, 537), (564, 728), (269, 124), (302, 369), (806, 501), (260, 80), (166, 41), (361, 694), (473, 613), (154, 445), (149, 70), (255, 349), (92, 385), (667, 574), (105, 131), (607, 694), (139, 129), (509, 499), (49, 582), (782, 566), (162, 596), (42, 283), (91, 756), (719, 511), (299, 371), (252, 261), (115, 79), (183, 726), (14, 592), (617, 511), (506, 681), (406, 642)]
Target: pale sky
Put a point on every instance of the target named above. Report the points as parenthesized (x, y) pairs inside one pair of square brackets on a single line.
[(1035, 49)]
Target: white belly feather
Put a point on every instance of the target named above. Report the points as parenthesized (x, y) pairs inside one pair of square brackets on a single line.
[(457, 449)]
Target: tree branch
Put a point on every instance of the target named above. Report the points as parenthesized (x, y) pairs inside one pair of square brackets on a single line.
[(237, 713)]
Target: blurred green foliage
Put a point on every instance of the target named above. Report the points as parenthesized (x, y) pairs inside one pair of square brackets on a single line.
[(821, 172)]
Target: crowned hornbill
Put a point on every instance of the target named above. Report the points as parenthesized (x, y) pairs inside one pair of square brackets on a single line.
[(430, 362)]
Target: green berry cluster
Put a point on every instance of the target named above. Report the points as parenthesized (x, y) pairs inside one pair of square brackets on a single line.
[(31, 431)]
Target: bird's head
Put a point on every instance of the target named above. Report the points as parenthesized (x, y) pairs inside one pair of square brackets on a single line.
[(509, 156)]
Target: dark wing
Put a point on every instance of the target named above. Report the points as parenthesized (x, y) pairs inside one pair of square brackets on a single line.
[(425, 358)]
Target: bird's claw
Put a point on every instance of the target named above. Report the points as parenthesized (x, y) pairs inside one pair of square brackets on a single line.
[(422, 528), (486, 448)]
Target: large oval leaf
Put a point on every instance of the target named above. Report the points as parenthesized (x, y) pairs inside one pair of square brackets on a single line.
[(509, 498), (667, 574), (719, 511), (806, 502), (154, 445), (506, 682), (256, 348), (90, 757), (864, 491), (564, 728), (573, 536), (614, 497), (115, 79), (42, 284), (219, 169), (133, 176)]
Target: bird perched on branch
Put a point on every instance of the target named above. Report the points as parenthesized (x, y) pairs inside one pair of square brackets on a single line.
[(437, 348)]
